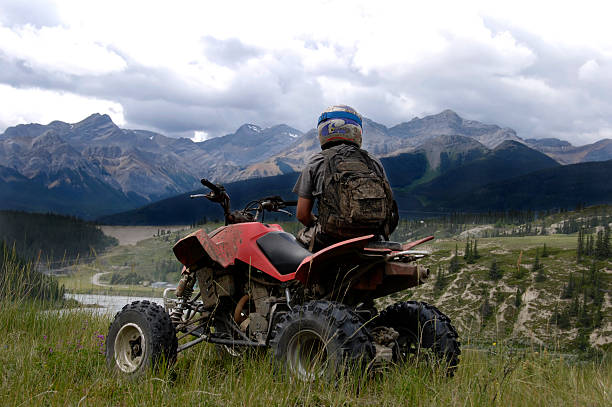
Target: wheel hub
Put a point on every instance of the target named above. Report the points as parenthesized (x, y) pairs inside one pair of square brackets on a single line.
[(130, 347), (307, 355)]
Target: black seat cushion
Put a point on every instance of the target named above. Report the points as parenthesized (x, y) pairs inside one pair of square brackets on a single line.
[(283, 251)]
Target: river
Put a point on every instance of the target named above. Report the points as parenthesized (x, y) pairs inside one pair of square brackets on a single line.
[(108, 304)]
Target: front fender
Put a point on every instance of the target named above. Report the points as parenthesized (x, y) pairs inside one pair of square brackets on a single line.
[(198, 246)]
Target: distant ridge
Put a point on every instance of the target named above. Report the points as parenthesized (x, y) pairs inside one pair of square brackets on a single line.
[(546, 187)]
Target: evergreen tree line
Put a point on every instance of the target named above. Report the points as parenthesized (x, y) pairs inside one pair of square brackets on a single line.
[(585, 290), (595, 246), (51, 237), (470, 254), (510, 223), (585, 224)]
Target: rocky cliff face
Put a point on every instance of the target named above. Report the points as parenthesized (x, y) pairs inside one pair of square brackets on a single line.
[(565, 153)]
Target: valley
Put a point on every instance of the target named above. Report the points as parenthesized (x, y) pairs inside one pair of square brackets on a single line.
[(522, 308)]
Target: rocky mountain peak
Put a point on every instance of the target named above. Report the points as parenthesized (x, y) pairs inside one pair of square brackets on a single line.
[(95, 123), (447, 115), (97, 119), (95, 126), (248, 129)]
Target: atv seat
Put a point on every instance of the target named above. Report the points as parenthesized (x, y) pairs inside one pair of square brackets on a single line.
[(283, 251)]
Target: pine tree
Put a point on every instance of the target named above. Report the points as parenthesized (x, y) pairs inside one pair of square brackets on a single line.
[(582, 340), (574, 307), (580, 247), (536, 264), (584, 319), (486, 310), (606, 249), (494, 272), (599, 246), (475, 254), (454, 263), (440, 281), (597, 318), (563, 319), (466, 254), (568, 290), (518, 300), (540, 276)]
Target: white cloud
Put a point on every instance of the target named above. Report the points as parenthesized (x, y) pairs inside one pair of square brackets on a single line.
[(199, 136), (59, 49), (542, 68), (21, 106)]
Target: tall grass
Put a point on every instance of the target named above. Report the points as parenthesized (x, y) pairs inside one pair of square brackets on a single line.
[(20, 280), (52, 358)]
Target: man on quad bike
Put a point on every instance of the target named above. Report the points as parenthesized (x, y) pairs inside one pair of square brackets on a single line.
[(258, 288), (350, 185)]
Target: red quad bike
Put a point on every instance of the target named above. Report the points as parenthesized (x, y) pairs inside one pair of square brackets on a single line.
[(259, 288)]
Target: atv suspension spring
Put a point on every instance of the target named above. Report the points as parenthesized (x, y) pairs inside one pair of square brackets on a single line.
[(176, 316), (184, 290)]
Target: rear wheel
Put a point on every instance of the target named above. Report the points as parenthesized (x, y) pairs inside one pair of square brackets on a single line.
[(140, 337), (423, 330), (320, 339)]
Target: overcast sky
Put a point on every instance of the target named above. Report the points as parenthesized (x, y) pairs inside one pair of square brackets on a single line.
[(203, 68)]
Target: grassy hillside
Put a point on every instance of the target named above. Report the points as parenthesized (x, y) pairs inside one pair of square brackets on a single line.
[(19, 280), (515, 350), (52, 359), (565, 304)]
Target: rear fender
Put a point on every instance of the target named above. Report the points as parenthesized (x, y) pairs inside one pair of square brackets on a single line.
[(310, 267), (410, 245)]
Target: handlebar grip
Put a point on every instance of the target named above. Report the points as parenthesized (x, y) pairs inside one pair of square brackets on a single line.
[(209, 185)]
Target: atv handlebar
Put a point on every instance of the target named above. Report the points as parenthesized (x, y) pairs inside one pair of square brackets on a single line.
[(271, 203)]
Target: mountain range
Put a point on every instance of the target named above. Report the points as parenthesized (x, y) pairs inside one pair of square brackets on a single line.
[(510, 176), (94, 168)]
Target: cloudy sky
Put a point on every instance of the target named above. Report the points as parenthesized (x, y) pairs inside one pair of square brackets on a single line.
[(203, 68)]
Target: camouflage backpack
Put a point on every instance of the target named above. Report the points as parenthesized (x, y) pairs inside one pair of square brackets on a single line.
[(355, 200)]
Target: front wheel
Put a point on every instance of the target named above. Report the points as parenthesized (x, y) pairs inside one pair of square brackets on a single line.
[(320, 339), (422, 329), (141, 337)]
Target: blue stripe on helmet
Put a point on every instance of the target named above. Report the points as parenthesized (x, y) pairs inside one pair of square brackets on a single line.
[(339, 115)]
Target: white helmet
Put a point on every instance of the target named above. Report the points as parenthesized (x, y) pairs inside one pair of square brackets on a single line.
[(340, 123)]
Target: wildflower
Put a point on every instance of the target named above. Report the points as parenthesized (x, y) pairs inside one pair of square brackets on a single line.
[(45, 337), (50, 350), (494, 343)]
